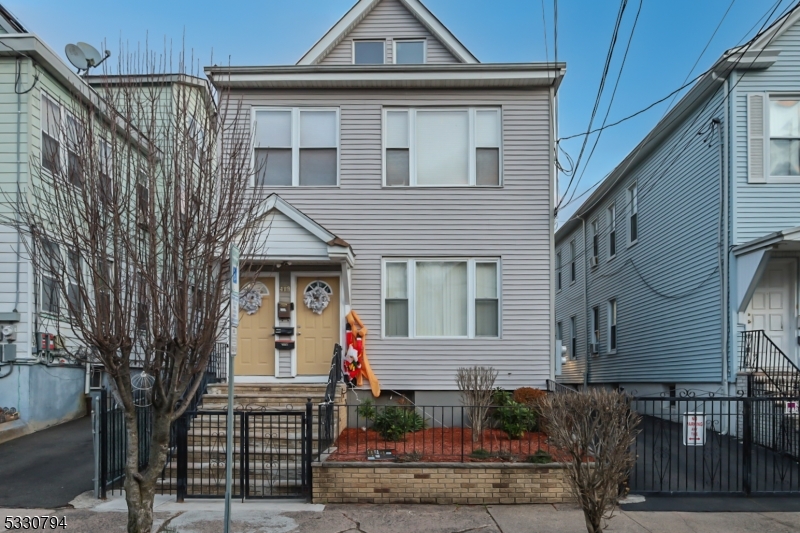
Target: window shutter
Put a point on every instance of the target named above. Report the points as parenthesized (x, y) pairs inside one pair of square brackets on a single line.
[(756, 164)]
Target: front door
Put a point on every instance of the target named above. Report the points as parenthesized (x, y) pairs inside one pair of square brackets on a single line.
[(256, 349), (317, 332), (772, 306)]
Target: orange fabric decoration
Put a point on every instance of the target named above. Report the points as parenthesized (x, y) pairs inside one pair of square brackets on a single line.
[(359, 330)]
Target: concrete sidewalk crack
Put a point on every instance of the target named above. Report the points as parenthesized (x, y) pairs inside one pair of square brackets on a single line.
[(356, 522), (471, 529), (637, 522), (489, 512), (781, 522)]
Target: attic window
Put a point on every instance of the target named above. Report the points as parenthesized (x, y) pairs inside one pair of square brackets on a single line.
[(409, 52), (369, 52)]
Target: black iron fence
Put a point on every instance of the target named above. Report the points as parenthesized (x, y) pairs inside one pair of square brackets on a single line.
[(770, 371), (716, 445)]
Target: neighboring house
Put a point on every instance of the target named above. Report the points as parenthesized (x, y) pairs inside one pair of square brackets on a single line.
[(413, 185), (692, 239), (41, 100)]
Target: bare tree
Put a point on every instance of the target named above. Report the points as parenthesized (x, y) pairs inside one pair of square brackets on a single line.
[(476, 385), (596, 429), (141, 189)]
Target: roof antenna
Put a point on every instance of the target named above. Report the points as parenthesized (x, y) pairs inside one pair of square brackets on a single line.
[(84, 56)]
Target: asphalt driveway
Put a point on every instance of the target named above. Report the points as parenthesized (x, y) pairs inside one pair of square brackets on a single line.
[(48, 468)]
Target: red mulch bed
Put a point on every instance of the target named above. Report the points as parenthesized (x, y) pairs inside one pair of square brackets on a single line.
[(442, 445)]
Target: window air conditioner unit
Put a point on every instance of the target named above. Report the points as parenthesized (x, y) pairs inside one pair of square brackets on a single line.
[(594, 348), (593, 261)]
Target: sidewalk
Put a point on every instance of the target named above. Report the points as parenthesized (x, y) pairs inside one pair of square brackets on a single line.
[(90, 516)]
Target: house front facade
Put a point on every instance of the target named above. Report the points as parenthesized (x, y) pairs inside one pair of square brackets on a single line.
[(410, 184), (686, 256)]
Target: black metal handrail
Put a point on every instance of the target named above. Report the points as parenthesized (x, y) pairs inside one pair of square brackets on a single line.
[(335, 374), (759, 354)]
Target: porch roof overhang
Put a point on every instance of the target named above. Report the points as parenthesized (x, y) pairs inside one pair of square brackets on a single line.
[(752, 258), (296, 237)]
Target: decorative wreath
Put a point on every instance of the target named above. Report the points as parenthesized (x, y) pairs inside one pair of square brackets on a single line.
[(250, 298), (317, 296)]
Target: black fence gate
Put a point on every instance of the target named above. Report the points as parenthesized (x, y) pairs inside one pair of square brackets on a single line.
[(717, 445), (272, 452)]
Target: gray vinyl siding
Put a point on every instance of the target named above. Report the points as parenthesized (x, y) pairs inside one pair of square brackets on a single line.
[(767, 207), (389, 20), (512, 223), (669, 318)]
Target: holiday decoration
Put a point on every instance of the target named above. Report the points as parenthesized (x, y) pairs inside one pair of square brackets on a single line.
[(250, 298), (317, 296)]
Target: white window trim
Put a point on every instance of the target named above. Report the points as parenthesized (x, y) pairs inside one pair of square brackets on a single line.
[(770, 178), (296, 145), (573, 251), (353, 49), (611, 351), (629, 212), (559, 271), (412, 156), (573, 336), (611, 213), (594, 332), (411, 295), (394, 49), (62, 158)]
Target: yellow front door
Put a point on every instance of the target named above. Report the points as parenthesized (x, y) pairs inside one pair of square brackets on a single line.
[(256, 350), (317, 333)]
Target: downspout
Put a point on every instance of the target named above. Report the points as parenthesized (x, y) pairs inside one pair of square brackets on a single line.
[(19, 179), (724, 237), (587, 367)]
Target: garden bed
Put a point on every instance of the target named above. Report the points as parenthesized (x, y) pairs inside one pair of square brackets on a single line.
[(440, 444)]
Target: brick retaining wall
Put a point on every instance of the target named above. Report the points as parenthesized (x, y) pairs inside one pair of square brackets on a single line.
[(442, 483)]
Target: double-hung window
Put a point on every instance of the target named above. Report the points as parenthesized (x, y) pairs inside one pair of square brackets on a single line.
[(572, 261), (442, 147), (612, 326), (612, 231), (595, 242), (106, 163), (441, 298), (51, 270), (75, 136), (633, 214), (51, 135), (74, 283), (369, 52), (409, 52), (595, 331), (573, 337), (296, 147), (558, 271), (784, 137)]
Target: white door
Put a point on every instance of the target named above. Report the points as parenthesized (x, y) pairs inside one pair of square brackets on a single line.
[(772, 306)]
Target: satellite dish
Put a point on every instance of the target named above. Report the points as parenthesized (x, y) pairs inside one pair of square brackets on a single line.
[(93, 57), (85, 56), (77, 57)]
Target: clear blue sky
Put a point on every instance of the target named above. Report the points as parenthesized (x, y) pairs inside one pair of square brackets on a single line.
[(668, 40)]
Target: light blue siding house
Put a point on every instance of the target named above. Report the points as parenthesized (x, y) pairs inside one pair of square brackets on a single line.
[(693, 238)]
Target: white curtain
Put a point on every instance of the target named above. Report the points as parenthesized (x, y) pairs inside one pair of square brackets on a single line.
[(441, 299), (273, 129), (442, 147)]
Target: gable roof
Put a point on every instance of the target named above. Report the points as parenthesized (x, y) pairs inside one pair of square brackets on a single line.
[(362, 8), (752, 55), (9, 22)]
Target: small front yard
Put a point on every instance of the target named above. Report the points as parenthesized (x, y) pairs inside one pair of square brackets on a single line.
[(442, 444)]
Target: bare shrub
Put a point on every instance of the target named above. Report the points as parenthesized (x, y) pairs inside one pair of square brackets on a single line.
[(595, 430), (476, 385)]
